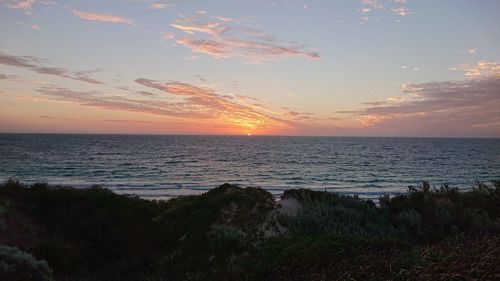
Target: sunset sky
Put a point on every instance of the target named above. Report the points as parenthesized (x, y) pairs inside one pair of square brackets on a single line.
[(283, 67)]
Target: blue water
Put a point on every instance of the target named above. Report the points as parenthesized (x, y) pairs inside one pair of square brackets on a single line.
[(162, 167)]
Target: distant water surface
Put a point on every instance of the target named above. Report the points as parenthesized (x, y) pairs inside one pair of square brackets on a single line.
[(162, 167)]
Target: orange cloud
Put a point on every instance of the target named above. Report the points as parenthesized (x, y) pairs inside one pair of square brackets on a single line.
[(92, 16), (185, 101), (219, 106)]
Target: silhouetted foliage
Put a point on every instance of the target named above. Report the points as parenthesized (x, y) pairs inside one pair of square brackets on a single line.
[(17, 265), (233, 233)]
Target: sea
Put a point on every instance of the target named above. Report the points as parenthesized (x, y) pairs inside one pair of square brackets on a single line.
[(164, 167)]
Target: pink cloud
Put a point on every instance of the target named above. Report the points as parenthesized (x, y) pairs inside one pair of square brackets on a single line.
[(228, 38), (19, 4), (209, 28), (458, 107), (397, 7), (159, 6), (177, 100), (100, 17)]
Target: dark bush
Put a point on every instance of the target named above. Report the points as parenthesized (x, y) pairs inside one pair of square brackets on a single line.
[(16, 265)]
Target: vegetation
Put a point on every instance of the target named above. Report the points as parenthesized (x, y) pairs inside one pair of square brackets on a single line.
[(233, 233), (18, 265)]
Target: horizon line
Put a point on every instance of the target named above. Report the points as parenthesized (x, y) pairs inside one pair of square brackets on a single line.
[(246, 136)]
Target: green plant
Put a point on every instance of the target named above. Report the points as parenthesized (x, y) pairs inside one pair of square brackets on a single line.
[(17, 265)]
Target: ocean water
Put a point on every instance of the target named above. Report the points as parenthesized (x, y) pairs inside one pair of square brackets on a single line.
[(161, 167)]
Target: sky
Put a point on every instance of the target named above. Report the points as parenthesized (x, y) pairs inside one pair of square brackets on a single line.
[(421, 68)]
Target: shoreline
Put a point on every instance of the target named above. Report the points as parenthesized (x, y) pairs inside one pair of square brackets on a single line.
[(150, 192)]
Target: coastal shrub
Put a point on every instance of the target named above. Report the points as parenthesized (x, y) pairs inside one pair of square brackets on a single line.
[(207, 231), (4, 205), (228, 239), (17, 265), (428, 214), (409, 220), (326, 257), (344, 258), (94, 234), (328, 213), (84, 230)]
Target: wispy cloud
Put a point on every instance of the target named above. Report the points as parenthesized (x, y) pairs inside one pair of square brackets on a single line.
[(32, 26), (373, 4), (126, 121), (223, 37), (7, 77), (396, 7), (479, 69), (19, 4), (208, 102), (153, 4), (55, 117), (25, 5), (179, 100), (100, 17), (401, 11), (33, 63), (463, 106), (159, 6), (115, 102)]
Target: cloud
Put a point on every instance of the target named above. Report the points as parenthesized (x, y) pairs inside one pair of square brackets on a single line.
[(463, 106), (401, 11), (32, 26), (159, 6), (228, 38), (32, 63), (7, 77), (213, 28), (114, 102), (55, 117), (26, 5), (227, 19), (180, 100), (208, 102), (397, 7), (479, 69), (19, 4), (406, 67), (373, 4), (126, 121), (100, 17), (146, 94), (295, 113)]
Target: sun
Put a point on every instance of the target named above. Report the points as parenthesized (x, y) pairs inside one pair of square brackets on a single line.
[(249, 134)]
